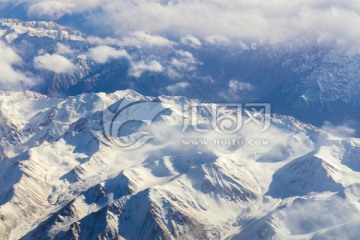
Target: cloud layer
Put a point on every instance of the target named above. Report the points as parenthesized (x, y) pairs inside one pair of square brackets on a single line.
[(232, 21), (138, 68), (102, 54), (142, 39), (54, 63), (10, 77), (216, 21)]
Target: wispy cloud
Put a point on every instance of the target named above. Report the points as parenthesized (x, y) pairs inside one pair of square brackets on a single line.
[(191, 41), (142, 39), (217, 21), (343, 131), (54, 63), (51, 8), (177, 86), (183, 63), (102, 54), (56, 9), (230, 21), (138, 68), (236, 86), (10, 77), (63, 49), (217, 39)]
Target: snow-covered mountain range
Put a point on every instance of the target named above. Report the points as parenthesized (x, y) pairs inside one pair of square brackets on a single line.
[(61, 180), (319, 82), (161, 119)]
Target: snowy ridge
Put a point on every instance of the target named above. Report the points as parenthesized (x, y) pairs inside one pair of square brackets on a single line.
[(16, 28), (61, 182), (319, 82)]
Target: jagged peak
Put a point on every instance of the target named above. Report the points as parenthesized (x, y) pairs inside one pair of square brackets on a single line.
[(21, 95), (46, 25)]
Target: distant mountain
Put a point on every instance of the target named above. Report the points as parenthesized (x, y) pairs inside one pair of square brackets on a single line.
[(60, 181), (309, 82), (14, 9), (128, 134)]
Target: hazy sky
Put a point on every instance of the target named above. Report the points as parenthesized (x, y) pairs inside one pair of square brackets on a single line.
[(160, 23), (230, 21)]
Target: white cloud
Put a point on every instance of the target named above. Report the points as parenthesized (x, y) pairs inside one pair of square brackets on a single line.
[(217, 39), (191, 41), (102, 54), (177, 86), (54, 9), (184, 62), (8, 55), (187, 58), (104, 41), (235, 86), (142, 39), (54, 63), (272, 21), (63, 49), (11, 78), (343, 131), (138, 68)]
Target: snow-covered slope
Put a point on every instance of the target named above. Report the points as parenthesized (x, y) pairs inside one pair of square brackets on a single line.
[(14, 29), (61, 178)]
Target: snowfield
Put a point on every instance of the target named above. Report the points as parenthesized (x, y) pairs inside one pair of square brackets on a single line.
[(62, 179)]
